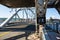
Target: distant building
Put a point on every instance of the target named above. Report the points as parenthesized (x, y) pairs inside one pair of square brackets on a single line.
[(53, 21), (56, 20)]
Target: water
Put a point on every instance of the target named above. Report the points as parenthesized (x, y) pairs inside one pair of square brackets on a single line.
[(3, 19), (0, 23)]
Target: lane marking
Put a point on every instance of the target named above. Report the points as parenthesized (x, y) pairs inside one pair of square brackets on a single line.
[(4, 34)]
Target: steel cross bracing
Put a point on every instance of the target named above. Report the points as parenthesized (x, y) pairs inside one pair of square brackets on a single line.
[(41, 6), (8, 19)]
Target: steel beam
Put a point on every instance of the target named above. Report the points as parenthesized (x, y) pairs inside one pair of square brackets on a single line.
[(8, 19), (41, 6)]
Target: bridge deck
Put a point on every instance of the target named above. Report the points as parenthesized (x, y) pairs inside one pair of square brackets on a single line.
[(16, 32)]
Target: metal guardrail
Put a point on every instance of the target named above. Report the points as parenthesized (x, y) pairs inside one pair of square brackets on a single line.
[(45, 35), (26, 29)]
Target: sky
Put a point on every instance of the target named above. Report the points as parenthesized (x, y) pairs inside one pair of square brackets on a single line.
[(5, 13), (52, 12)]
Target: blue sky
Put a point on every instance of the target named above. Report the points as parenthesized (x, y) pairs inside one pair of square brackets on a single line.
[(5, 13), (52, 12)]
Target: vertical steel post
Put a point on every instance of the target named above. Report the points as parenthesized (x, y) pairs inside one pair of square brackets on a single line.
[(41, 6)]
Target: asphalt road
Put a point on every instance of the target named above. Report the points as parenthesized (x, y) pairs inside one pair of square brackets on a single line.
[(12, 36), (14, 32)]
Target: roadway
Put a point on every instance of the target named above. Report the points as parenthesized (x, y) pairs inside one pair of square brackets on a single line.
[(12, 35), (15, 32)]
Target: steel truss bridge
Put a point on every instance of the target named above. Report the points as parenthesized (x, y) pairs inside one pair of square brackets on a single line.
[(39, 5)]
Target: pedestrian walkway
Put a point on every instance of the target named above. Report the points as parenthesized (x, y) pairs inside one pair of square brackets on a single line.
[(52, 35)]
